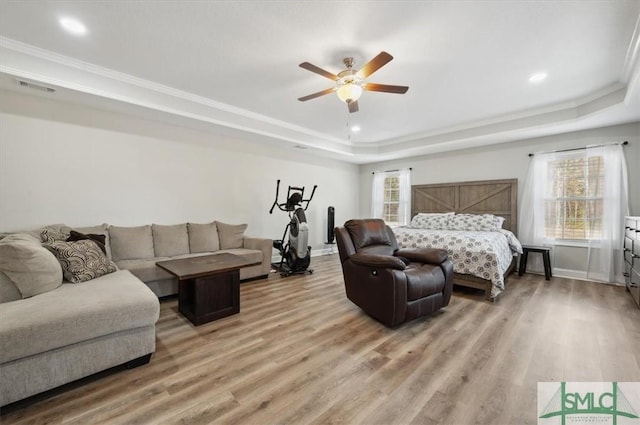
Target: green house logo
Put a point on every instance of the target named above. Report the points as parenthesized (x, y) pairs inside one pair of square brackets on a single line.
[(588, 402)]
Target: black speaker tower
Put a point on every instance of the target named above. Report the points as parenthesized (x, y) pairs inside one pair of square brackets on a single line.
[(331, 212)]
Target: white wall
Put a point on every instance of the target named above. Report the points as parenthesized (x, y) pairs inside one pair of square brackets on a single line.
[(511, 160), (66, 163)]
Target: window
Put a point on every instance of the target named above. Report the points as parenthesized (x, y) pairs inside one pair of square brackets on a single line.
[(573, 209), (391, 197), (579, 197)]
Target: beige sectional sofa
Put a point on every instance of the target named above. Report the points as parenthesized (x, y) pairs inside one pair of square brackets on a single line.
[(54, 332), (138, 248)]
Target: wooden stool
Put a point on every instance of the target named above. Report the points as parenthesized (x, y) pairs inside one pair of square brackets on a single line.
[(526, 249)]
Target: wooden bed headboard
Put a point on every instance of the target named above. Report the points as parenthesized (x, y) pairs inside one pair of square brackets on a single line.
[(497, 197)]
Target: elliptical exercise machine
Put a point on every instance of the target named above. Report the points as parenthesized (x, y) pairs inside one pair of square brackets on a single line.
[(295, 253)]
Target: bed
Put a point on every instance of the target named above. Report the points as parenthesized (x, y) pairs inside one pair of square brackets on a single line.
[(483, 255)]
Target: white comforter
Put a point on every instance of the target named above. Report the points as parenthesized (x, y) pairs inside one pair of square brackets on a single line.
[(486, 255)]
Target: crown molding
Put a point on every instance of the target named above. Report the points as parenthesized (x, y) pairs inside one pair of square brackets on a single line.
[(38, 65)]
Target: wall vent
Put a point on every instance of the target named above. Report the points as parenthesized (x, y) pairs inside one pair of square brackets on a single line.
[(35, 86)]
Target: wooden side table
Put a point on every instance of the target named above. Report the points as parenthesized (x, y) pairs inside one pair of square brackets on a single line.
[(546, 258)]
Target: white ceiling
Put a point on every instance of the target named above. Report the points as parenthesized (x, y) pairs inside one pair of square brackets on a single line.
[(232, 66)]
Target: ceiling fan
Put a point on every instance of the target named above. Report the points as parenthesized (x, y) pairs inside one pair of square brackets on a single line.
[(351, 83)]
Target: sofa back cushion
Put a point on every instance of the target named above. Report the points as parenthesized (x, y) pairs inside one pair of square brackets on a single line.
[(169, 241), (231, 235), (131, 243), (29, 265), (203, 237)]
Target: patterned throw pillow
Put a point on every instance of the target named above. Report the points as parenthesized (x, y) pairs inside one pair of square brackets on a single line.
[(51, 234), (431, 221), (474, 222), (81, 260)]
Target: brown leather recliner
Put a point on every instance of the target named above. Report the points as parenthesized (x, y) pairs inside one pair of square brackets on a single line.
[(391, 285)]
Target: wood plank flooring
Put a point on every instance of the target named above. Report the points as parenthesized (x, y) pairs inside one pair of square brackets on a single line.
[(299, 352)]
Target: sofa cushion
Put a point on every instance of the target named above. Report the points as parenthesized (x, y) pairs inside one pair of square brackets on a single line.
[(252, 255), (81, 260), (29, 265), (98, 230), (203, 237), (74, 313), (131, 243), (231, 235), (146, 270), (170, 240), (8, 290)]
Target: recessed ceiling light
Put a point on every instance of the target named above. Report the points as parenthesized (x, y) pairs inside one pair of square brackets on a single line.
[(537, 77), (355, 128), (73, 26)]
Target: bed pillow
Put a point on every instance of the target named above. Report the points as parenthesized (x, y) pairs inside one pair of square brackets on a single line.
[(431, 221), (474, 222), (81, 260)]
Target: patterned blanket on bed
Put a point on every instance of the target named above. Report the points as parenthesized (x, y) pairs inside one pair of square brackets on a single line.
[(486, 255)]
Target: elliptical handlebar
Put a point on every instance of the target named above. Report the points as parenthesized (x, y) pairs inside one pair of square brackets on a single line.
[(315, 186), (284, 206), (275, 203)]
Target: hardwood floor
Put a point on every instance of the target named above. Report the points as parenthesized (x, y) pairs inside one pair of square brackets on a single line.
[(299, 352)]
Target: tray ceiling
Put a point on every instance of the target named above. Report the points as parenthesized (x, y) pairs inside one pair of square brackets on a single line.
[(234, 66)]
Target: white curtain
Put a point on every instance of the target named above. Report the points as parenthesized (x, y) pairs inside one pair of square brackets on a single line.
[(377, 195), (604, 255), (404, 206)]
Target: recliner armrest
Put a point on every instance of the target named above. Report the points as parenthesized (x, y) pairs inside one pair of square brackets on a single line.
[(423, 255), (379, 261)]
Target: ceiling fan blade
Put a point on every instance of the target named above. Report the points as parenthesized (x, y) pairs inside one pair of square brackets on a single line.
[(374, 64), (318, 94), (313, 68), (353, 106), (385, 88)]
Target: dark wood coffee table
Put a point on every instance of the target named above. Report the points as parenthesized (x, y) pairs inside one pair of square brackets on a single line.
[(208, 286)]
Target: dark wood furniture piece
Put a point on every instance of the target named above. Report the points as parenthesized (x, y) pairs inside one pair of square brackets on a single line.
[(632, 256), (546, 259), (497, 197), (208, 286)]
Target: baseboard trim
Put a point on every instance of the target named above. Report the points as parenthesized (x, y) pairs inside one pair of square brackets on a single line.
[(570, 274), (574, 274), (333, 249)]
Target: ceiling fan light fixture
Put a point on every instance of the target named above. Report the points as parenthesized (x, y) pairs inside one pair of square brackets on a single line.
[(349, 92)]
